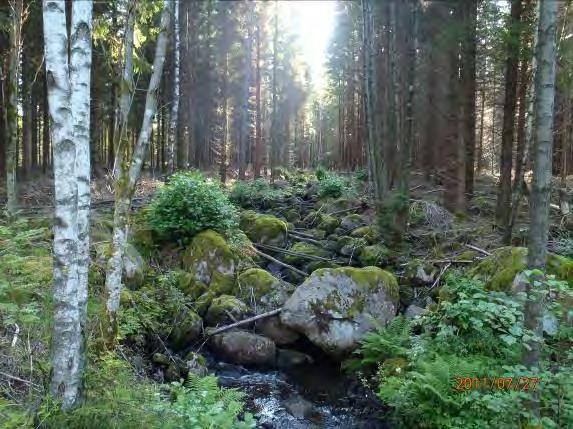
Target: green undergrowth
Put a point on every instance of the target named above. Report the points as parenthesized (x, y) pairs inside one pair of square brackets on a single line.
[(116, 398), (116, 395), (415, 366)]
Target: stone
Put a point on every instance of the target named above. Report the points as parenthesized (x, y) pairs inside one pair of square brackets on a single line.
[(498, 270), (374, 255), (334, 308), (224, 309), (160, 359), (287, 358), (265, 229), (245, 348), (196, 364), (349, 246), (413, 311), (264, 292), (187, 328), (419, 273), (135, 267), (327, 223), (353, 221), (208, 254)]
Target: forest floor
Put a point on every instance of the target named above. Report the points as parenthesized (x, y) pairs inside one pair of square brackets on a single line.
[(300, 397)]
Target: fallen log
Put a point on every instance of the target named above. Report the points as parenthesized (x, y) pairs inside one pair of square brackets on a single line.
[(477, 249), (293, 253), (244, 322), (281, 263), (308, 240)]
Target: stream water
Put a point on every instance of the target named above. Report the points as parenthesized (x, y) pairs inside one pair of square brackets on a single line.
[(304, 397)]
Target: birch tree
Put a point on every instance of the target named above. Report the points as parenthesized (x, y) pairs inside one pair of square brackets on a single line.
[(16, 12), (175, 106), (68, 84), (128, 176), (542, 170)]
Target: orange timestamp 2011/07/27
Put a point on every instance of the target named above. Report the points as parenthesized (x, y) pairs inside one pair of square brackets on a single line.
[(486, 383)]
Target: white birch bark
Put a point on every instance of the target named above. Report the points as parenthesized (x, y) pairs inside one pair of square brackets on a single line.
[(16, 10), (175, 106), (80, 76), (126, 182), (67, 363)]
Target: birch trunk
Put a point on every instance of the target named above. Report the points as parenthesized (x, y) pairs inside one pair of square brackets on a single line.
[(127, 180), (541, 186), (80, 77), (126, 90), (16, 10), (175, 106), (68, 99)]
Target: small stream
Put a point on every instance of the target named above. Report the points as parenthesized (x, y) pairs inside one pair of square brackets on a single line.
[(304, 397)]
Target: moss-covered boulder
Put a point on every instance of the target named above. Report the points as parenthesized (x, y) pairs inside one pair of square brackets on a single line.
[(370, 234), (263, 292), (374, 255), (186, 329), (334, 308), (135, 267), (305, 249), (328, 223), (265, 229), (244, 348), (292, 215), (499, 270), (207, 255), (225, 309), (353, 221), (418, 272), (196, 364)]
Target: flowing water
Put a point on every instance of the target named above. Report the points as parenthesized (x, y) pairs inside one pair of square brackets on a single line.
[(305, 397)]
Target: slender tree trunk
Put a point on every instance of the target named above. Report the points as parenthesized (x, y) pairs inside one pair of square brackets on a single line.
[(175, 102), (376, 163), (46, 129), (468, 75), (126, 88), (528, 137), (127, 181), (274, 119), (244, 121), (69, 94), (541, 186), (27, 130), (503, 209), (258, 122), (16, 11)]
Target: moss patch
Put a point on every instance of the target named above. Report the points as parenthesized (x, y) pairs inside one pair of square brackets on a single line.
[(374, 255), (207, 254), (499, 269), (265, 229)]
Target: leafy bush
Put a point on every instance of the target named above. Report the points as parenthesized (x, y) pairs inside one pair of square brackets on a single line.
[(189, 204), (256, 194), (473, 333), (331, 184), (361, 175)]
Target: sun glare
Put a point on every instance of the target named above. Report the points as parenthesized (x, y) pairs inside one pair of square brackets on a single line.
[(313, 22)]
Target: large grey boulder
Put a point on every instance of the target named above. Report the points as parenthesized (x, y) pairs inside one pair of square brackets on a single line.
[(245, 348), (335, 307)]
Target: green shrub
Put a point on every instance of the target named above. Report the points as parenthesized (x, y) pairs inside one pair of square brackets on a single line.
[(189, 204), (255, 194), (331, 185), (361, 175), (473, 333)]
